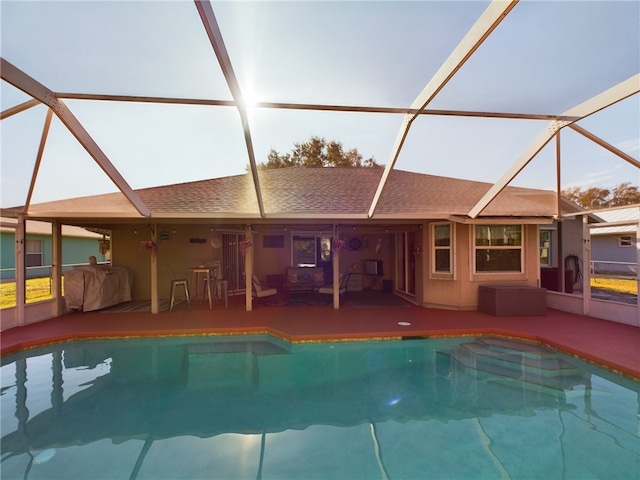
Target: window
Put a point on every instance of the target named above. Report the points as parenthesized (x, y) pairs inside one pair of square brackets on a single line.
[(33, 253), (545, 248), (625, 241), (310, 250), (441, 234), (498, 248)]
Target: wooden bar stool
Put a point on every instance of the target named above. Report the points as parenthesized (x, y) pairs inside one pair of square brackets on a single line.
[(174, 285)]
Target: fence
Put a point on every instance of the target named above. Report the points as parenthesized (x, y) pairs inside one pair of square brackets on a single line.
[(610, 269)]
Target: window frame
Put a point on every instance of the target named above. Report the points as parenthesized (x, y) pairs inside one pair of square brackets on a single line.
[(439, 248), (33, 253), (321, 248), (521, 247), (549, 247), (623, 243)]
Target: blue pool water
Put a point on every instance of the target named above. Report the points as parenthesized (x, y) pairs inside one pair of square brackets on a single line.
[(257, 407)]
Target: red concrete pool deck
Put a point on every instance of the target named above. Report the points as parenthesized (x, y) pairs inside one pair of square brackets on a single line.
[(605, 343)]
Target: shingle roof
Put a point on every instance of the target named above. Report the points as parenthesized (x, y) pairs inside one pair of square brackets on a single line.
[(44, 228), (340, 191)]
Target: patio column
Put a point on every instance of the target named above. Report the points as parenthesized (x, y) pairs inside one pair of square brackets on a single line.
[(586, 261), (155, 302), (20, 271), (336, 270), (638, 273), (56, 270), (248, 268)]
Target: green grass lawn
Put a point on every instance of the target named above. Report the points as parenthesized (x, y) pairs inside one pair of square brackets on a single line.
[(38, 289), (616, 285)]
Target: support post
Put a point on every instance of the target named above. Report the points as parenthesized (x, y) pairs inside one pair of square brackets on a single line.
[(586, 262), (155, 302), (248, 269), (56, 272), (336, 269), (20, 235)]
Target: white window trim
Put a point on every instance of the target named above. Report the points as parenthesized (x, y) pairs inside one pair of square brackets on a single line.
[(451, 248), (521, 247), (29, 250), (623, 243), (550, 248)]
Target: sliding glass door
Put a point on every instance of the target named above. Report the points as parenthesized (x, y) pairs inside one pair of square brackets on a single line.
[(232, 260), (406, 262)]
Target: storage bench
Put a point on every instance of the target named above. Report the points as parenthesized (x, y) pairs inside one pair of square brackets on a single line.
[(516, 300)]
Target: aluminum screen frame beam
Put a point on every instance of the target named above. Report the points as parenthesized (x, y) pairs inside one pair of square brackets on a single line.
[(18, 108), (205, 10), (494, 14), (603, 100), (36, 168), (305, 106), (16, 77), (605, 145)]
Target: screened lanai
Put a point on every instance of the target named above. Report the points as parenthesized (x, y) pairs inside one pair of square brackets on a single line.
[(101, 97), (105, 96)]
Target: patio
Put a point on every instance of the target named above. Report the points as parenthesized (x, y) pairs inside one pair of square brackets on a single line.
[(605, 343)]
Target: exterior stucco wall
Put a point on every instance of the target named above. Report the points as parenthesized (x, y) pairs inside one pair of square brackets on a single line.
[(460, 291), (179, 253), (175, 255), (572, 239)]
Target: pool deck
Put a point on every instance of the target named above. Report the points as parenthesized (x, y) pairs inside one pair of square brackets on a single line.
[(605, 343)]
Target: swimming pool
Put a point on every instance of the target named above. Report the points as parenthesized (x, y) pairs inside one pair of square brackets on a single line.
[(258, 407)]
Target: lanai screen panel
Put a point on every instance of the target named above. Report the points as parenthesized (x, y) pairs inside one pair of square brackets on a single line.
[(544, 58)]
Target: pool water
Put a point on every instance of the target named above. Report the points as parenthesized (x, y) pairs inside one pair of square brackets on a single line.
[(257, 407)]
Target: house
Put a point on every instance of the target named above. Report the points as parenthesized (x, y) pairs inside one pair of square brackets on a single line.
[(614, 246), (77, 245), (421, 240)]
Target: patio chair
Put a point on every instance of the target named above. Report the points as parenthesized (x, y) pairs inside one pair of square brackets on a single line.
[(260, 291), (343, 286)]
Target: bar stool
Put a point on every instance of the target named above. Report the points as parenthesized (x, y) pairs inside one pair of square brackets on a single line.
[(180, 283), (222, 292), (206, 286)]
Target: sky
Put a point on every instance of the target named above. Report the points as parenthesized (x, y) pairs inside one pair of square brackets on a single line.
[(544, 58)]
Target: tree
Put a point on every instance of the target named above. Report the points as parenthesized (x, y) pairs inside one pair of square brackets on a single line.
[(317, 152), (594, 198)]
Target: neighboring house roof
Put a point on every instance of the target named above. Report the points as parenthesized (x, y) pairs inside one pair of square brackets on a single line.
[(630, 214), (296, 192), (43, 228)]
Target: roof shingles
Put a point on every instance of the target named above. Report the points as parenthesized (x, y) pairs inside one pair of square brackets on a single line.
[(340, 191)]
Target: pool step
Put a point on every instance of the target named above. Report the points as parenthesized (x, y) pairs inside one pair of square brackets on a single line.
[(517, 365), (261, 347)]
